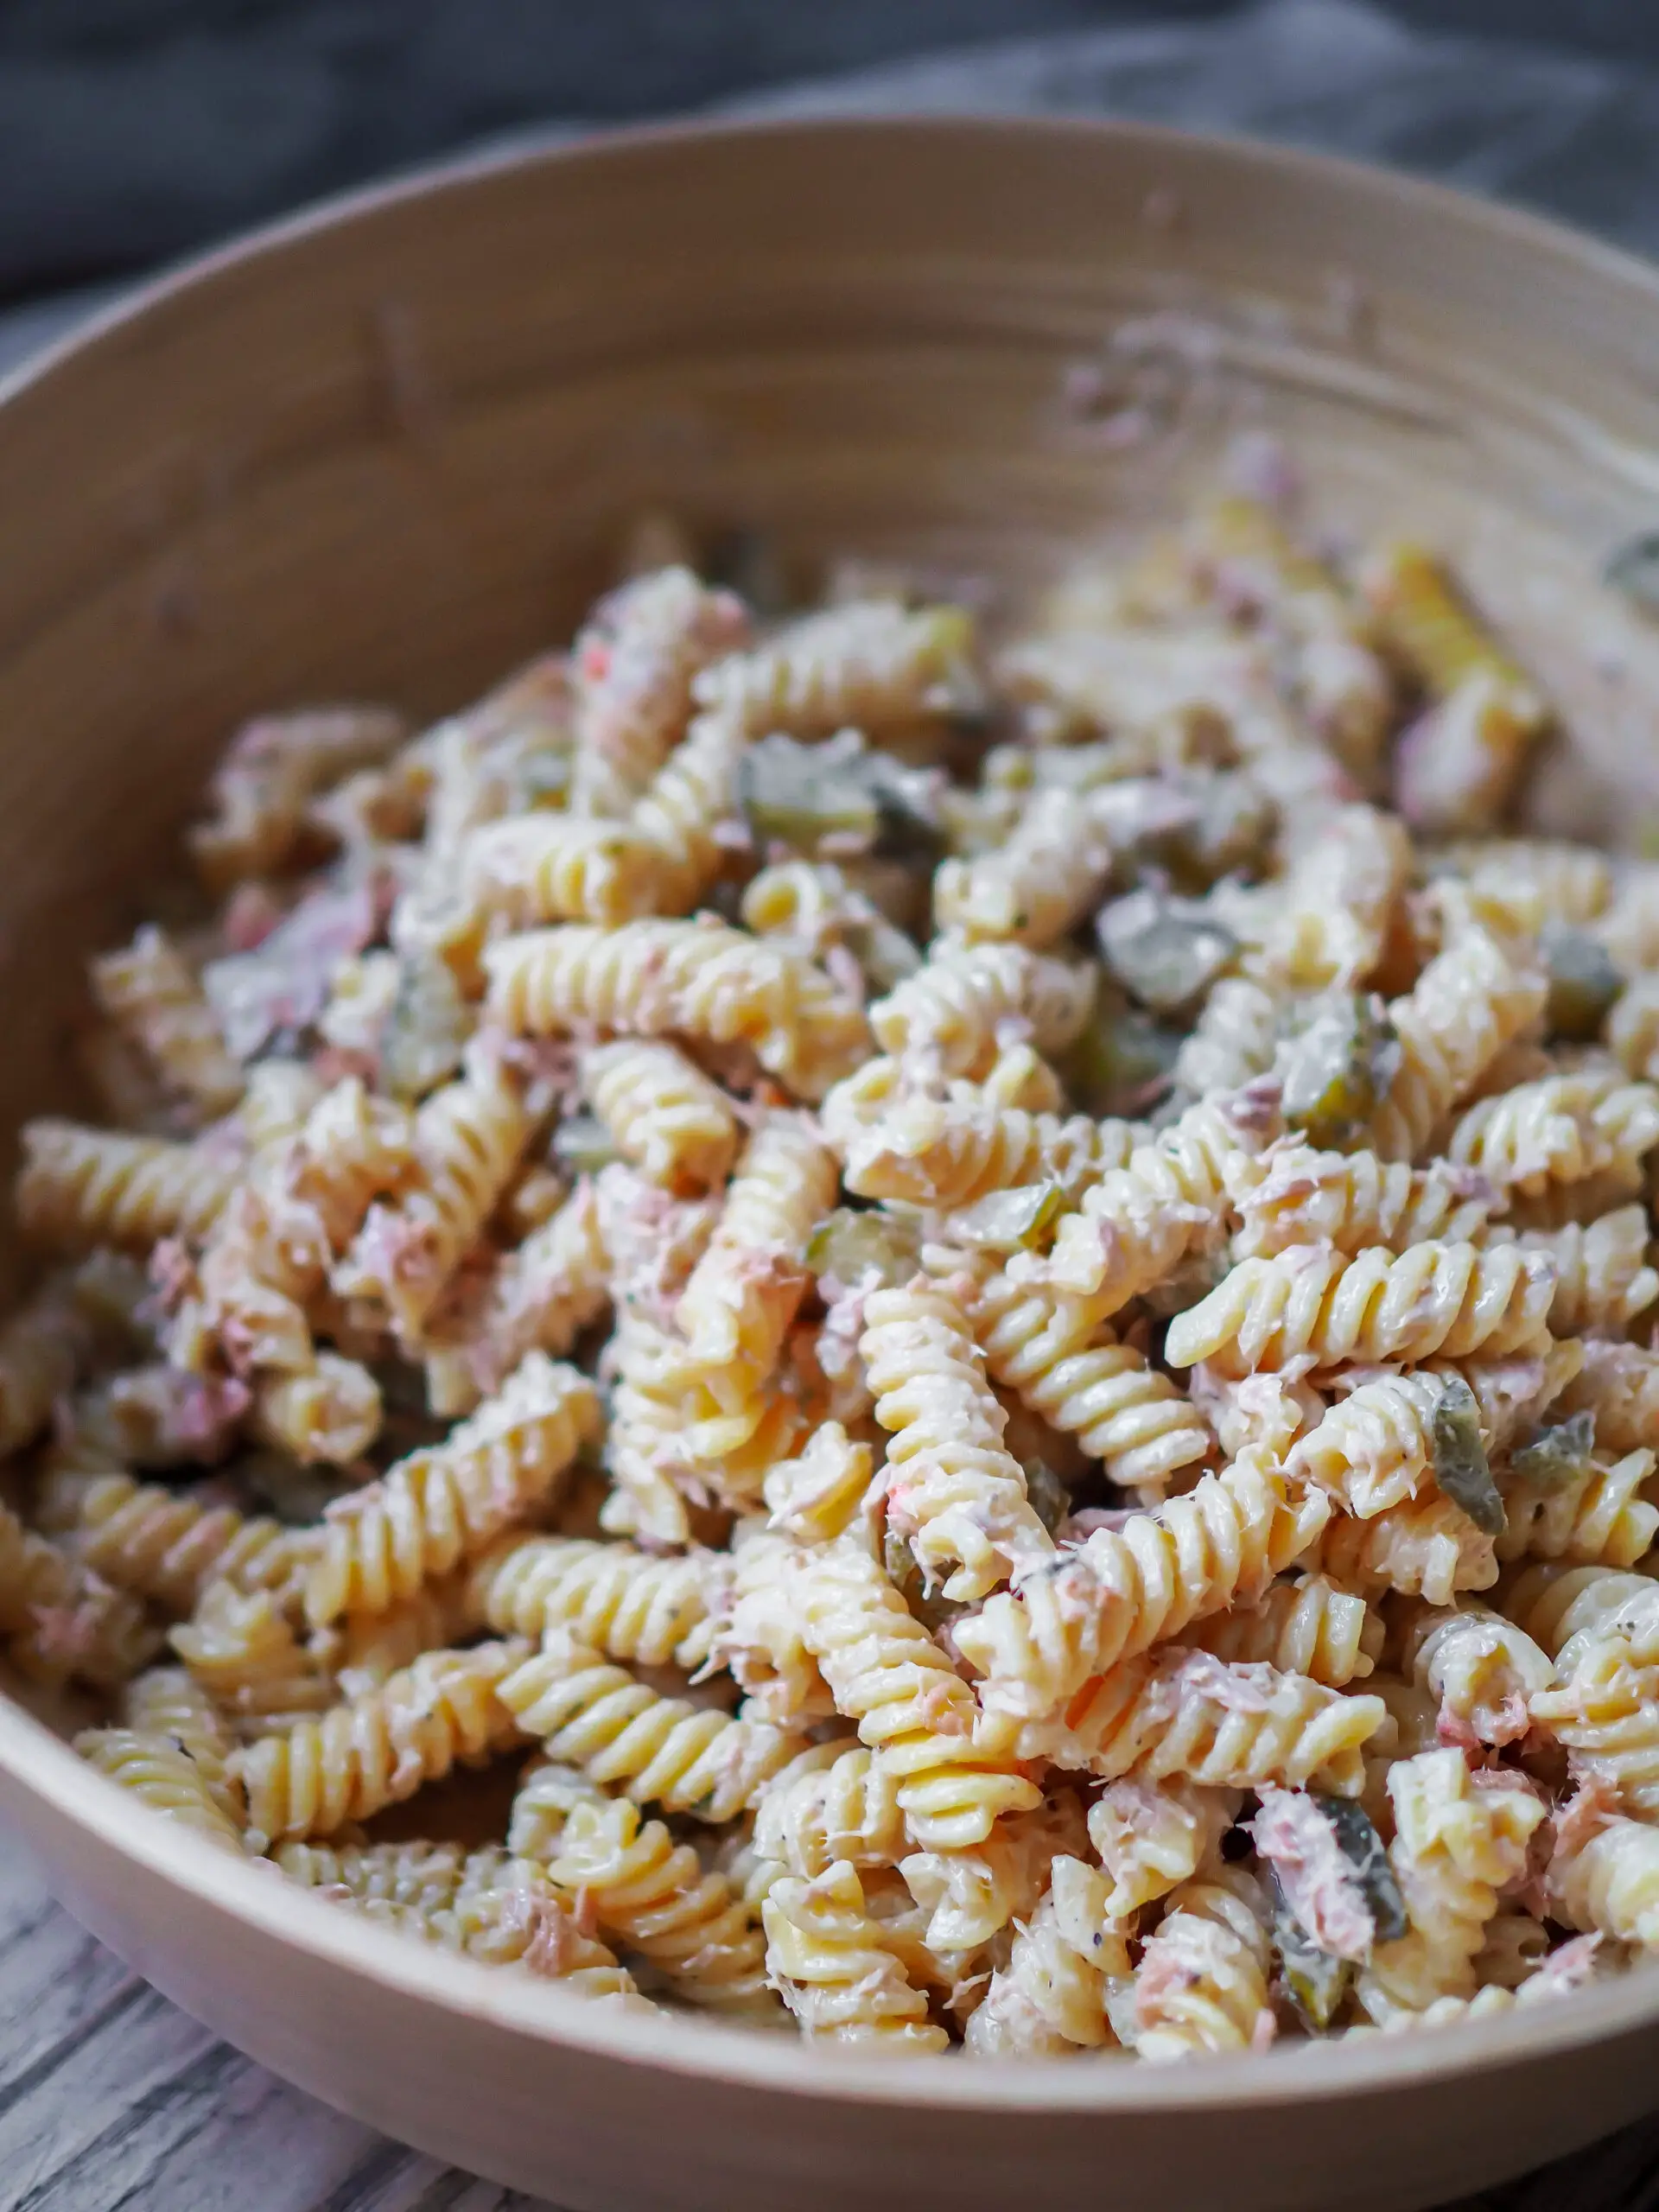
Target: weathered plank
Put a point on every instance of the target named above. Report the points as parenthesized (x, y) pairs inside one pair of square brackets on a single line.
[(112, 2100)]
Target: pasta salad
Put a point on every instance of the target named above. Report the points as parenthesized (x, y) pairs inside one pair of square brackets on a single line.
[(982, 1300)]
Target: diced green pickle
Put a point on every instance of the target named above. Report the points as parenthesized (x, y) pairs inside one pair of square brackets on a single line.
[(848, 1245), (1227, 832), (1166, 951), (1556, 1456), (908, 826), (931, 1607), (1012, 1221), (898, 1561), (1461, 1465), (858, 800), (1361, 1846), (799, 794), (1583, 982), (1337, 1071), (584, 1145), (1122, 1062), (1316, 1982), (295, 1493), (1186, 1283)]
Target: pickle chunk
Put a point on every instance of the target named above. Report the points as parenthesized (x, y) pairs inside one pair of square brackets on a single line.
[(1552, 1458), (1337, 1071), (1583, 982), (1460, 1464), (837, 797), (848, 1246), (1166, 952)]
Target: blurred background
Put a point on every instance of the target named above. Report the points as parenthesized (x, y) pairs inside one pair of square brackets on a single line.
[(133, 132)]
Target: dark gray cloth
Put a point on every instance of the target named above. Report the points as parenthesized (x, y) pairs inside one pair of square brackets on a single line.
[(1574, 135), (133, 129)]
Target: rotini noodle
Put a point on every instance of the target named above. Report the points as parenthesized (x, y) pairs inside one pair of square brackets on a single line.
[(80, 1187), (954, 1770), (1123, 1589), (1187, 1714), (1322, 1307), (439, 1507), (954, 1490), (380, 1748), (599, 1719)]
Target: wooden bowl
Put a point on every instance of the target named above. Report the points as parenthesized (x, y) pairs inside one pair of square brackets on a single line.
[(386, 450)]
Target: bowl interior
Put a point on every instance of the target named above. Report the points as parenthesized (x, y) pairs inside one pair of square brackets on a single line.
[(390, 451)]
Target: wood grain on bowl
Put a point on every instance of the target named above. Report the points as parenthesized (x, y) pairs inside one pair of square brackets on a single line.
[(386, 452)]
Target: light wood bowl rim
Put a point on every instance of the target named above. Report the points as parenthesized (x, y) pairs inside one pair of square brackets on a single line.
[(624, 143), (42, 1765)]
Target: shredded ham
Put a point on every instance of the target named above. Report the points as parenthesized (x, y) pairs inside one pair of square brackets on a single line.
[(835, 1344), (392, 1249), (548, 1068), (1564, 1970), (1507, 1777), (173, 1272), (1456, 1733), (67, 1636), (1269, 1409), (940, 1713), (1592, 1807), (279, 987), (653, 1239), (1089, 1520), (552, 1933), (181, 1416), (1237, 1688), (1319, 1885), (1167, 1969)]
